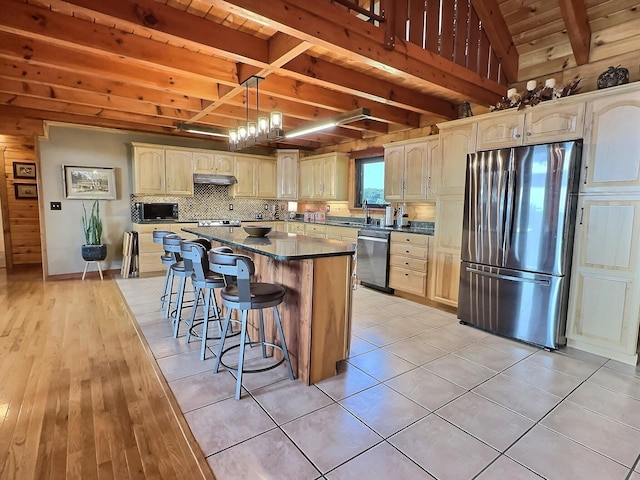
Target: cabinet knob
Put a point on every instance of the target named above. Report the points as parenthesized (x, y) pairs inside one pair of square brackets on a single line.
[(517, 135), (528, 134), (407, 251)]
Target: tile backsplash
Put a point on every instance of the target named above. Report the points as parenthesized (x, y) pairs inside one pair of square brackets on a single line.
[(212, 202)]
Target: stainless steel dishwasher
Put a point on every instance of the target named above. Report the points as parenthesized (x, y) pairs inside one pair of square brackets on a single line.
[(372, 266)]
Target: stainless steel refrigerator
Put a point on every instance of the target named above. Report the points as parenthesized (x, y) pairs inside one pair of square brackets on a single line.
[(519, 217)]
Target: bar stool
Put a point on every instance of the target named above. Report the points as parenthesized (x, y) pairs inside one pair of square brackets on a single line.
[(244, 296), (167, 259), (183, 270), (205, 282)]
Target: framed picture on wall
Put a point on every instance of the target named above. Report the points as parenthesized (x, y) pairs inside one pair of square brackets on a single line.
[(89, 182), (24, 170), (26, 190)]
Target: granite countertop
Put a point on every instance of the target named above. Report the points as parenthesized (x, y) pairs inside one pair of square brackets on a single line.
[(420, 228), (277, 245)]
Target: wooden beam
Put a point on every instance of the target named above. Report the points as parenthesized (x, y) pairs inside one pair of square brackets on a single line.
[(501, 41), (327, 25), (39, 52), (20, 69), (323, 73), (576, 22)]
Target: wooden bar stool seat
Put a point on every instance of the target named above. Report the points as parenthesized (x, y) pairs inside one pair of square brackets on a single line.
[(243, 296)]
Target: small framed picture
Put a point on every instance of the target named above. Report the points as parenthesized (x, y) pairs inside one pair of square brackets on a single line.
[(26, 190), (24, 170), (89, 182)]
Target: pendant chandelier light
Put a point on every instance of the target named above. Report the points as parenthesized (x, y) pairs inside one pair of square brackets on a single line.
[(260, 129)]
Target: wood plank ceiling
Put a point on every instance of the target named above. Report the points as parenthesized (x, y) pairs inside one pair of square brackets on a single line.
[(146, 65)]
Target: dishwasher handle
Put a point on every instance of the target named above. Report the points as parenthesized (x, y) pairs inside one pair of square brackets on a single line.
[(374, 239)]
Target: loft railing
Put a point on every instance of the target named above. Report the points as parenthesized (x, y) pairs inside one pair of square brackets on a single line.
[(448, 28)]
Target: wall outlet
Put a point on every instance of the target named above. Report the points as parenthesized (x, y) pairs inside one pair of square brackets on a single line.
[(266, 206), (328, 208), (56, 206), (231, 206)]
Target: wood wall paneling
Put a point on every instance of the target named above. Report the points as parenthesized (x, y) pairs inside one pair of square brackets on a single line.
[(22, 220)]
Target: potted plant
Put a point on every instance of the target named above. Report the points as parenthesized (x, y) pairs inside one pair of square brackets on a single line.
[(93, 249)]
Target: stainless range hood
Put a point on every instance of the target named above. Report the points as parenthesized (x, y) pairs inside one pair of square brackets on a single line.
[(214, 179)]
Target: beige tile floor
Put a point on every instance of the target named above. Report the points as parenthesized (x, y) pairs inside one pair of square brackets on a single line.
[(420, 397)]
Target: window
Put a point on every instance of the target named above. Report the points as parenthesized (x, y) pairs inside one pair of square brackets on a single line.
[(370, 182)]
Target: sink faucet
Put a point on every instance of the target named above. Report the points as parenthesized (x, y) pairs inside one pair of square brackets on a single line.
[(365, 207)]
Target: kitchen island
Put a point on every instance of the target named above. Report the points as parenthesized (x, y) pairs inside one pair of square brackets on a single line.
[(316, 312)]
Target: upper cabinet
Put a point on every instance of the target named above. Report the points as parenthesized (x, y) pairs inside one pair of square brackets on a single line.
[(449, 164), (612, 144), (213, 163), (287, 174), (324, 177), (407, 170), (256, 177), (543, 123), (162, 171)]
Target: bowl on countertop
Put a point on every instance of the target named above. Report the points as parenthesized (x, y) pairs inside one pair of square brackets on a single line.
[(256, 230)]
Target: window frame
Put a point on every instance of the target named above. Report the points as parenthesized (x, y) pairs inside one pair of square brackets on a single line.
[(359, 171)]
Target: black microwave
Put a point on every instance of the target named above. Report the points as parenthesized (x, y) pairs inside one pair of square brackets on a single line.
[(148, 212)]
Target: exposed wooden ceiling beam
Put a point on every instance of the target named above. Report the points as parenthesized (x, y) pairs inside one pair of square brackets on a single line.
[(501, 40), (576, 22), (328, 25)]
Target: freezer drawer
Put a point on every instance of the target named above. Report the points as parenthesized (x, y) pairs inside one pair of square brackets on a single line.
[(521, 305)]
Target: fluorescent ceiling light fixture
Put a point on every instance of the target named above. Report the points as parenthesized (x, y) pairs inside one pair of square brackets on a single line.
[(202, 130), (347, 117)]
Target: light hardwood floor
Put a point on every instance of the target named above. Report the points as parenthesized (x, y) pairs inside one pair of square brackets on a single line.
[(80, 396)]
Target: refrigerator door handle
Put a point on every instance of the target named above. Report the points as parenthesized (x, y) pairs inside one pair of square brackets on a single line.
[(508, 228), (508, 277)]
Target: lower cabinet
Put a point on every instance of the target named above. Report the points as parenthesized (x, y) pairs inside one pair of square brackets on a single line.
[(148, 252), (408, 263), (342, 234), (295, 227), (317, 230), (444, 270), (604, 298)]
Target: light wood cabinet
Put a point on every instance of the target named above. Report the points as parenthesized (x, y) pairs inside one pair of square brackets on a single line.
[(213, 163), (342, 234), (148, 252), (612, 144), (407, 170), (545, 123), (315, 230), (324, 177), (449, 166), (445, 262), (287, 174), (408, 263), (295, 227), (605, 284), (162, 171), (280, 226), (256, 177)]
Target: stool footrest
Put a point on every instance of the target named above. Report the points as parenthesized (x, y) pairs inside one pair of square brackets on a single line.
[(254, 370)]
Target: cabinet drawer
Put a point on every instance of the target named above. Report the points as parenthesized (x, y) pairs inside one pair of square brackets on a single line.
[(296, 228), (408, 262), (409, 251), (409, 239), (408, 281), (315, 230), (150, 262)]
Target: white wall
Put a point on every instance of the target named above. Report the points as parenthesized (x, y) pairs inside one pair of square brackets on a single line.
[(68, 145)]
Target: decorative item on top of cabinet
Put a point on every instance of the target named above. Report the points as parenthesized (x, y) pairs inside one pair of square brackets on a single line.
[(612, 142), (551, 122), (604, 297), (324, 177), (407, 169), (162, 171), (256, 177), (287, 174), (612, 77), (408, 263), (213, 163)]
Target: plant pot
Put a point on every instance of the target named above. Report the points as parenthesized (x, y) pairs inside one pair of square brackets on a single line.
[(94, 253)]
